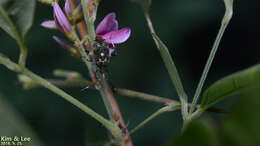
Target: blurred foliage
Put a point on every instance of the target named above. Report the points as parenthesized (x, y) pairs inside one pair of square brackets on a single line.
[(187, 27), (199, 133), (231, 85), (240, 128), (20, 13), (12, 124)]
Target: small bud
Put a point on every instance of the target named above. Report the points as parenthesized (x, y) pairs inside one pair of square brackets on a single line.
[(49, 24), (67, 8), (48, 1)]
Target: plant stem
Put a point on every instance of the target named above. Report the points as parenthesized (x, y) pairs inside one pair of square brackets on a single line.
[(157, 113), (100, 86), (107, 100), (144, 96), (17, 36), (15, 67), (89, 21), (105, 89), (225, 21)]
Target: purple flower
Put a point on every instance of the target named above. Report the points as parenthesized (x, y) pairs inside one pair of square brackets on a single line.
[(67, 8), (60, 19), (108, 30)]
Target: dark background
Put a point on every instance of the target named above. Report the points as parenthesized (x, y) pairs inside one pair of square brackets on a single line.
[(187, 27)]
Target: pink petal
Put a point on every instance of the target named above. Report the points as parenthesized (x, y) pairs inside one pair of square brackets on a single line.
[(49, 24), (109, 23), (67, 8), (60, 18), (117, 36)]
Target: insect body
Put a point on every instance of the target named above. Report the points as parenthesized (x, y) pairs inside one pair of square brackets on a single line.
[(101, 54)]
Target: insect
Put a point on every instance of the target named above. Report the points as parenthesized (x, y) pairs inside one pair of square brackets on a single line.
[(101, 54)]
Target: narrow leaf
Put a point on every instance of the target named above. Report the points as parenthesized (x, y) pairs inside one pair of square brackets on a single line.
[(168, 61), (16, 15), (231, 85)]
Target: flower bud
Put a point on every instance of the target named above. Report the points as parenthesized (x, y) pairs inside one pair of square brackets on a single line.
[(61, 20)]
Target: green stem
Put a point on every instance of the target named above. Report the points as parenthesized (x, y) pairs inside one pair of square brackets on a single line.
[(169, 108), (225, 21), (89, 21), (104, 95), (144, 96), (106, 99), (15, 67), (101, 87), (17, 36)]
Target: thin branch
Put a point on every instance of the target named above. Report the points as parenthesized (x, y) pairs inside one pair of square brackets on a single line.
[(143, 96), (168, 108)]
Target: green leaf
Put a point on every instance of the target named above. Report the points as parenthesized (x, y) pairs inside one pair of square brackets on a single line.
[(239, 128), (173, 73), (198, 133), (230, 85), (16, 15), (144, 3), (242, 126), (168, 61)]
